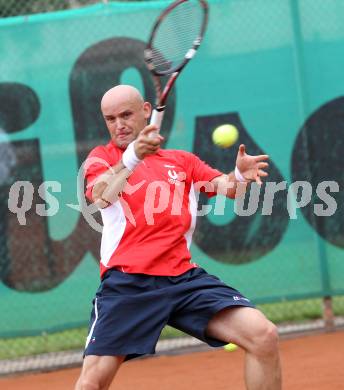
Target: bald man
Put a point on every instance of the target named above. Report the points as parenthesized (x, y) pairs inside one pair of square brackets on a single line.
[(146, 196)]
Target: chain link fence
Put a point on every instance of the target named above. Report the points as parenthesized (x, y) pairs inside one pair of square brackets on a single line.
[(29, 7), (53, 75)]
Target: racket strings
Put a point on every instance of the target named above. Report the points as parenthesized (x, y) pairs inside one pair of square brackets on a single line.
[(176, 35)]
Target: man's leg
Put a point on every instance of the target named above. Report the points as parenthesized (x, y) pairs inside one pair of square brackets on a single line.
[(250, 329), (98, 372)]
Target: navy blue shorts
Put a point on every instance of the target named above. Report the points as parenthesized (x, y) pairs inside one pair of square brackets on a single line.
[(130, 310)]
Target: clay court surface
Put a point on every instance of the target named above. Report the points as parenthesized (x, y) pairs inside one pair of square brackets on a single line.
[(309, 363)]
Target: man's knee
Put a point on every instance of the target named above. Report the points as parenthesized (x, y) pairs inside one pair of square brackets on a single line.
[(265, 339), (98, 372), (91, 380), (85, 383)]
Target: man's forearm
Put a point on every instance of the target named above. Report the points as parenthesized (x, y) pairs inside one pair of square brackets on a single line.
[(239, 188), (229, 186), (109, 185)]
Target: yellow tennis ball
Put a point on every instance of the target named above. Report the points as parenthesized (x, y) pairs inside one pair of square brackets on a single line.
[(225, 136), (230, 347)]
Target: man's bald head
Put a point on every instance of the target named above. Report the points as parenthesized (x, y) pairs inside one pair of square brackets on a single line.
[(125, 113), (119, 94)]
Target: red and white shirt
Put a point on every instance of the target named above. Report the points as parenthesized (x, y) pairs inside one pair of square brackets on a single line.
[(149, 229)]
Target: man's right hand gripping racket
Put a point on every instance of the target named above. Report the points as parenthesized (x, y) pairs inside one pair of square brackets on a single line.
[(174, 40)]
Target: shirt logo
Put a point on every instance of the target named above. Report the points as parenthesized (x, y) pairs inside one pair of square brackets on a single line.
[(174, 177)]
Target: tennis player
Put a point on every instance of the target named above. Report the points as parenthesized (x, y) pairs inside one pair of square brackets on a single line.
[(147, 200)]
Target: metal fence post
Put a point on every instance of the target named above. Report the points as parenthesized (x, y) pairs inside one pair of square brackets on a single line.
[(328, 315)]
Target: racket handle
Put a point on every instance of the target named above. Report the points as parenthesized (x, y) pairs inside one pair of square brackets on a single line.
[(156, 118)]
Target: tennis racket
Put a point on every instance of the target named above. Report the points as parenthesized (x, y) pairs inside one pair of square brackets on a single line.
[(176, 35)]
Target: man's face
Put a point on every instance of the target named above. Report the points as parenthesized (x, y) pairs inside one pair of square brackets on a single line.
[(125, 119)]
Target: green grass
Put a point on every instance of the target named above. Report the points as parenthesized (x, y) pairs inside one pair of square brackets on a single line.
[(58, 341), (291, 311), (300, 311)]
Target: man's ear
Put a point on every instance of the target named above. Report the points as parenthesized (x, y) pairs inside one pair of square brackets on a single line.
[(147, 108)]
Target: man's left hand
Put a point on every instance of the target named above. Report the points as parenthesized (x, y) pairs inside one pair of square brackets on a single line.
[(251, 167)]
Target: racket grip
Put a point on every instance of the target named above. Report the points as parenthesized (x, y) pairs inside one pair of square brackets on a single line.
[(156, 118)]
